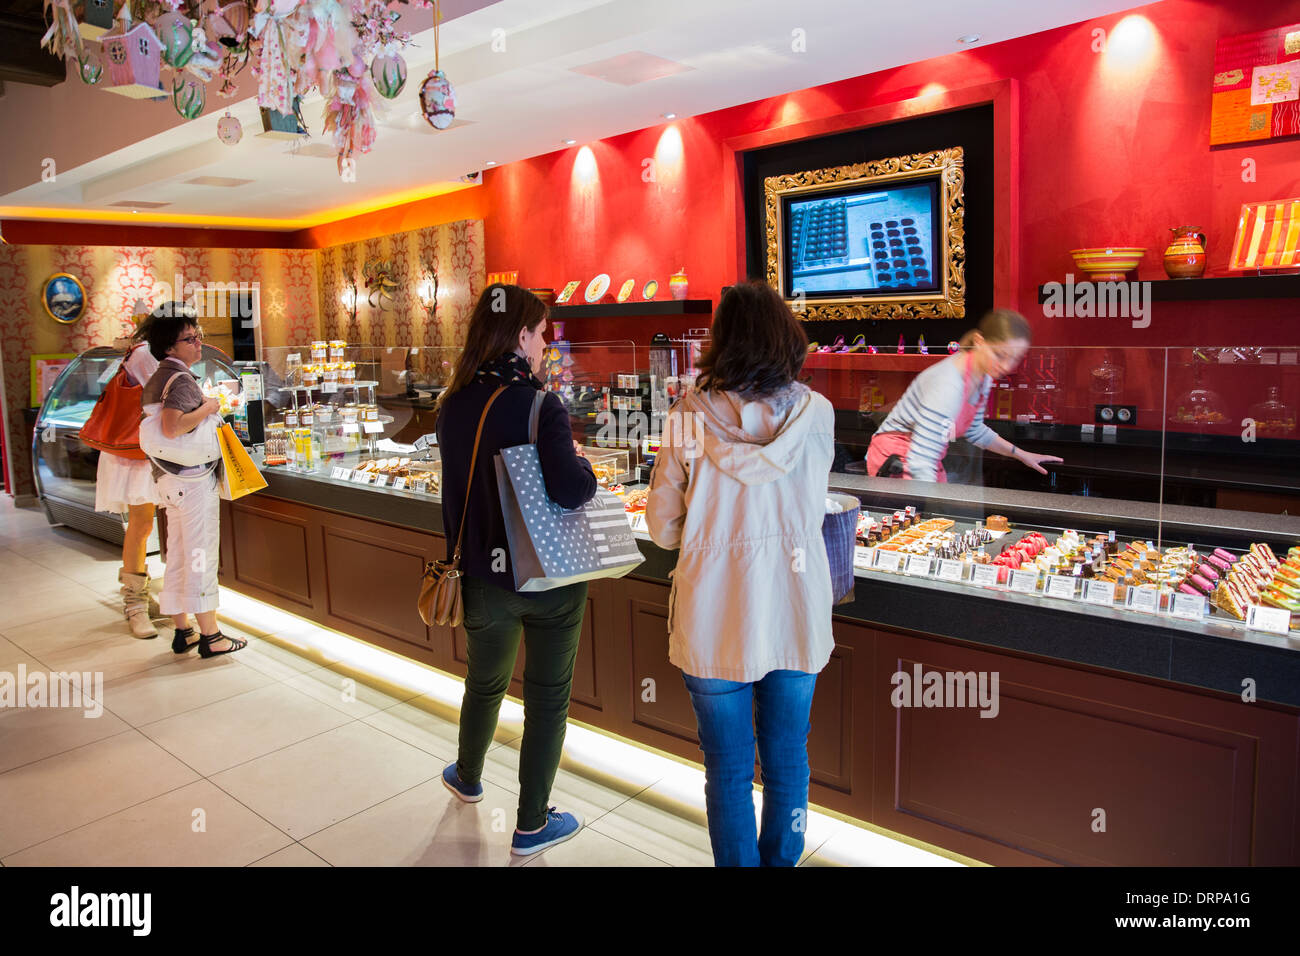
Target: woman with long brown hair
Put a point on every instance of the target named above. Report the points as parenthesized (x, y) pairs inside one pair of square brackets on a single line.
[(489, 401)]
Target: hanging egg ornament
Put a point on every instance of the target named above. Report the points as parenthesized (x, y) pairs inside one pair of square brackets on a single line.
[(438, 100), (229, 130), (189, 97), (176, 36), (91, 69), (389, 74)]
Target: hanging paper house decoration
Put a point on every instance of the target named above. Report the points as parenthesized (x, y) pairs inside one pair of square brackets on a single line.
[(134, 61), (277, 125), (96, 20), (229, 130), (176, 36), (389, 74), (188, 97), (438, 100)]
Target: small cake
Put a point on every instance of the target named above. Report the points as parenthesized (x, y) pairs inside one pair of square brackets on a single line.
[(997, 523), (1223, 555), (1201, 583)]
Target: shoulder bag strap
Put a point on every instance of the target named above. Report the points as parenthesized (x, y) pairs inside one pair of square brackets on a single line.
[(166, 388), (534, 416), (469, 485)]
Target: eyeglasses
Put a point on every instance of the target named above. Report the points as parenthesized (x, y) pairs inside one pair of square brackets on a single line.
[(196, 337)]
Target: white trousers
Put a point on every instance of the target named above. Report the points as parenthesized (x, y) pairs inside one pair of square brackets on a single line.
[(193, 544)]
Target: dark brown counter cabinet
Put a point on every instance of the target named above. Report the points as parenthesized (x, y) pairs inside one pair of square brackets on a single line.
[(1083, 764)]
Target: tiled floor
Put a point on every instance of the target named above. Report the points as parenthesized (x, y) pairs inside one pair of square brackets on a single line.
[(307, 748)]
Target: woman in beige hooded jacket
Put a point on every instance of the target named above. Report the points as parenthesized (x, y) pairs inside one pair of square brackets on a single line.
[(739, 486)]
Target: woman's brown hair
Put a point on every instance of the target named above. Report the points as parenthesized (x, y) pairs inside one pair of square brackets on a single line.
[(501, 313), (999, 325), (757, 344)]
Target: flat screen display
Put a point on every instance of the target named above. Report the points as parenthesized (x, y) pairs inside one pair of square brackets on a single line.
[(863, 241)]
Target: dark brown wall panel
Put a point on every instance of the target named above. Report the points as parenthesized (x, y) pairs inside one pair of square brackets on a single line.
[(270, 550), (670, 711), (830, 741), (374, 581)]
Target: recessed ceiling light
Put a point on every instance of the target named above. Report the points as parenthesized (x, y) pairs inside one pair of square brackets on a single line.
[(670, 116), (968, 38), (568, 142), (490, 162)]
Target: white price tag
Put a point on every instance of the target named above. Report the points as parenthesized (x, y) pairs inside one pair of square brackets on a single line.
[(1190, 606), (342, 474), (889, 560), (329, 388), (420, 487), (1142, 599), (399, 482), (371, 428), (985, 574), (1024, 581), (1099, 592), (1060, 586), (381, 481), (361, 477), (1274, 619), (949, 569), (918, 564), (864, 557), (351, 428)]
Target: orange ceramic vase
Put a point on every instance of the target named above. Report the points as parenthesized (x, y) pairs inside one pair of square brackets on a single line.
[(1185, 256)]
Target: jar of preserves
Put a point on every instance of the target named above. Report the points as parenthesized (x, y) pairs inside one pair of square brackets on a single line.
[(319, 351), (306, 416), (370, 413), (291, 418), (350, 413), (348, 373), (310, 376), (336, 350)]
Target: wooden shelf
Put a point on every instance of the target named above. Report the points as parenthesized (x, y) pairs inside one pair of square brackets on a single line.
[(1216, 287), (866, 362), (657, 307)]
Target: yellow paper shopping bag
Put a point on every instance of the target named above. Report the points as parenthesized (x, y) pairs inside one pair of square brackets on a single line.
[(239, 476)]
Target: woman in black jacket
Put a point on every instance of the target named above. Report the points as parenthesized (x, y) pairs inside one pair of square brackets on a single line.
[(504, 347)]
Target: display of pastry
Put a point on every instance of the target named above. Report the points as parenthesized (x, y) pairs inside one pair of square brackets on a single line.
[(997, 523)]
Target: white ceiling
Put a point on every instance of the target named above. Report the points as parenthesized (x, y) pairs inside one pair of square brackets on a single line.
[(513, 104)]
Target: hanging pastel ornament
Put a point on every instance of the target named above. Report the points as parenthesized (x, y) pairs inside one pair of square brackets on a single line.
[(954, 348), (229, 24), (189, 97), (176, 35), (872, 350), (90, 69), (389, 74), (901, 346), (437, 97), (229, 130), (920, 346)]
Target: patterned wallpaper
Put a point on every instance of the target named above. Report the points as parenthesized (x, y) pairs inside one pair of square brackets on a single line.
[(114, 277), (454, 249)]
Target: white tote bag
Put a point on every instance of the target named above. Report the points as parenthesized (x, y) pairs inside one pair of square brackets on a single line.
[(199, 446)]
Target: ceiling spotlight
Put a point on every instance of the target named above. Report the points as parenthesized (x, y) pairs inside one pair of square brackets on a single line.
[(969, 38), (490, 162), (670, 116), (568, 142)]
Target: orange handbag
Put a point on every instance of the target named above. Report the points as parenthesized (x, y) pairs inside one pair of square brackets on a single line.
[(114, 423)]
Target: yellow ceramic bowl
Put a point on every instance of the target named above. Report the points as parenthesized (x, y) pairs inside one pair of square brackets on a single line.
[(1108, 264)]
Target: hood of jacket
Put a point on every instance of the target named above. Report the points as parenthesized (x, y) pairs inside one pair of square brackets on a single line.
[(754, 440)]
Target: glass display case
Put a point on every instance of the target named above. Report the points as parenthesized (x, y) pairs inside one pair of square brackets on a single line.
[(64, 469), (1183, 518)]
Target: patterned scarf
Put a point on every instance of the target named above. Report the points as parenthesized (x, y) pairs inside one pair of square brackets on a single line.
[(508, 369)]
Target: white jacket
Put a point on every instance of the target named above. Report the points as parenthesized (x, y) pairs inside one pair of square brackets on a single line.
[(740, 487)]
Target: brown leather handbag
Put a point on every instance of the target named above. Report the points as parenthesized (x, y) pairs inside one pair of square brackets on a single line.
[(440, 601), (114, 422)]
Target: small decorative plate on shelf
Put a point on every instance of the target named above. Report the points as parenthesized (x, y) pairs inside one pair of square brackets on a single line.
[(649, 290), (567, 292), (597, 288), (625, 293)]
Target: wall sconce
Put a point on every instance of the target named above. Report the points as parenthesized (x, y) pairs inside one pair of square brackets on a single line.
[(427, 290), (349, 300)]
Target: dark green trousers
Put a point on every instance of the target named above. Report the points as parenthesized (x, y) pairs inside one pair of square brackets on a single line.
[(550, 622)]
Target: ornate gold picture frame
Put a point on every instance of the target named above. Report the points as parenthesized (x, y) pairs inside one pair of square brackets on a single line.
[(945, 167)]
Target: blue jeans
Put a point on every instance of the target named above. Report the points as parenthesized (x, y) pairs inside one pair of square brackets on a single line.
[(728, 712)]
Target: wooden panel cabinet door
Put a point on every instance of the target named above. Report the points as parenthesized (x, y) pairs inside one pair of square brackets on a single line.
[(372, 577), (270, 547)]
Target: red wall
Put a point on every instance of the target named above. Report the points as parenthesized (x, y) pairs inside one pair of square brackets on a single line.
[(1112, 148)]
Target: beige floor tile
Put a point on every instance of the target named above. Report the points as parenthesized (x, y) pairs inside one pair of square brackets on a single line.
[(196, 825), (229, 732), (46, 602), (668, 831), (425, 826), (295, 854), (18, 573), (343, 689), (848, 845), (115, 657), (318, 782), (586, 791), (431, 725), (52, 796), (268, 658), (72, 629), (11, 655), (591, 848), (29, 734), (186, 683)]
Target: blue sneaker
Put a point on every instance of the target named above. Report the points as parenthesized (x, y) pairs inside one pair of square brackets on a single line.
[(469, 792), (559, 827)]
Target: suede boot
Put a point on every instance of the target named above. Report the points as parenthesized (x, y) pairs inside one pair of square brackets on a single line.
[(135, 603)]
